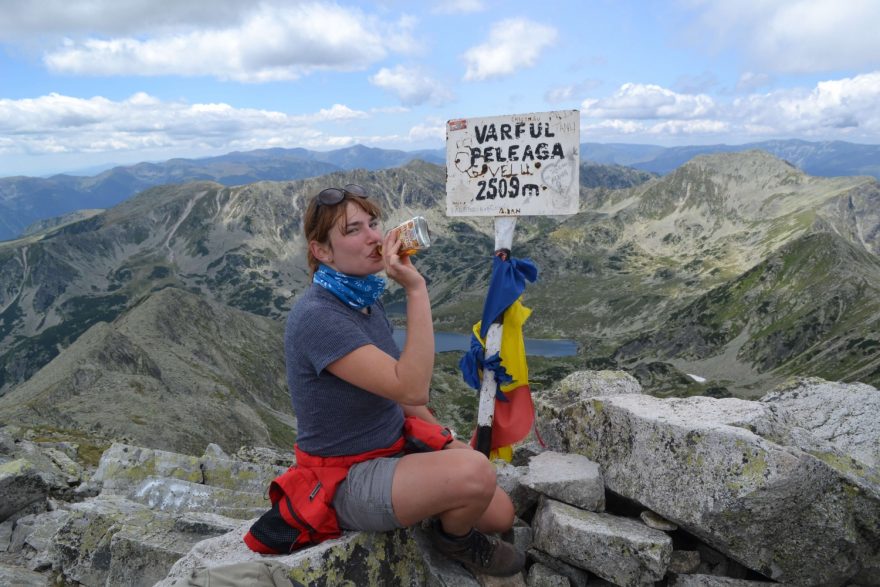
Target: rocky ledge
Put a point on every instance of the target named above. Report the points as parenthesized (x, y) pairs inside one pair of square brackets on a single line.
[(629, 490)]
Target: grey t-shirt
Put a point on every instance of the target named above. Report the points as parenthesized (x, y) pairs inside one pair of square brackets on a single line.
[(334, 417)]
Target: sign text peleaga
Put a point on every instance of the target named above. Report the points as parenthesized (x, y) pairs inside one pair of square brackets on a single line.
[(517, 165)]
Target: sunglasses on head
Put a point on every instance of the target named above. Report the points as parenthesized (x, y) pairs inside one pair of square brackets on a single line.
[(332, 196)]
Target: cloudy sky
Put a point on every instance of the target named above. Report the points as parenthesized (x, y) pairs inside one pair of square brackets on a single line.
[(91, 82)]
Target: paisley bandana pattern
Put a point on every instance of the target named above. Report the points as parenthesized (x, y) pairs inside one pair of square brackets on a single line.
[(355, 292)]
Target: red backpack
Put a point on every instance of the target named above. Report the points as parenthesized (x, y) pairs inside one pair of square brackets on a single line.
[(302, 511)]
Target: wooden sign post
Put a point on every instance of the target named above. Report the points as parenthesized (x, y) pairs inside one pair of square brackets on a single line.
[(506, 167)]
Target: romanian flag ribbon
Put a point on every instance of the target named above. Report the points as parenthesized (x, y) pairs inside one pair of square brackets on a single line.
[(514, 411)]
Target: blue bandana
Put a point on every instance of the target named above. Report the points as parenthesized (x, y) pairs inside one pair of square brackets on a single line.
[(356, 292)]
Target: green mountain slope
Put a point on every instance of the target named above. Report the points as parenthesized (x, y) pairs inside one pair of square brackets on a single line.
[(175, 372), (811, 307), (611, 274)]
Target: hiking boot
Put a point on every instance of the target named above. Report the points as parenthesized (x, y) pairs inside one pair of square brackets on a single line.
[(478, 552)]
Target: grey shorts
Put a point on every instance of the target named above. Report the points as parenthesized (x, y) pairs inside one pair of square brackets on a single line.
[(363, 500)]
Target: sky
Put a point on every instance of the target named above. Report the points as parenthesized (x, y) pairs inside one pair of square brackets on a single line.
[(86, 83)]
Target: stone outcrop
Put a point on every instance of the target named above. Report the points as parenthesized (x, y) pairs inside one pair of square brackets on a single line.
[(139, 512), (740, 475), (845, 415), (618, 549), (632, 491)]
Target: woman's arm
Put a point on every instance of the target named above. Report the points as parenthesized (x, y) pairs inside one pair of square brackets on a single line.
[(408, 379), (421, 412)]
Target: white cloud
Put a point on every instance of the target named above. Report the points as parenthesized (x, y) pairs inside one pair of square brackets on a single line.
[(513, 44), (458, 6), (688, 127), (749, 81), (845, 109), (850, 105), (570, 92), (431, 130), (644, 101), (23, 20), (271, 42), (795, 36), (412, 86), (64, 124)]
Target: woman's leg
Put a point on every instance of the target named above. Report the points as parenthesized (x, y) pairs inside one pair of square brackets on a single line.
[(498, 516), (457, 486)]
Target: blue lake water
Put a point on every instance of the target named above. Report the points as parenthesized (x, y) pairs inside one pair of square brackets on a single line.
[(536, 347)]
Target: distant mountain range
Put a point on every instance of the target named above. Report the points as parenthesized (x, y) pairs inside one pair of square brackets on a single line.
[(27, 200), (737, 268), (823, 159)]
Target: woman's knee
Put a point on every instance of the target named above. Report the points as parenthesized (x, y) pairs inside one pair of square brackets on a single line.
[(477, 475)]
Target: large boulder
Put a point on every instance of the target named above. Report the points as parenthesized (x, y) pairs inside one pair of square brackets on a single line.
[(20, 486), (356, 558), (113, 541), (124, 467), (844, 414), (569, 478), (621, 550), (736, 474)]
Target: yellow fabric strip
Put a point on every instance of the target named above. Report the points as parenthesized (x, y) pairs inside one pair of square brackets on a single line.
[(513, 346)]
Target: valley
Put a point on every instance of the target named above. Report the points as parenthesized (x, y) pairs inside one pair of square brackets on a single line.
[(736, 267)]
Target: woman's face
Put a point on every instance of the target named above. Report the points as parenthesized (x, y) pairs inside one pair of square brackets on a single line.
[(353, 243)]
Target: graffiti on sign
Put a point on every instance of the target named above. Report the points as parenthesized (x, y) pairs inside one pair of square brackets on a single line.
[(518, 165)]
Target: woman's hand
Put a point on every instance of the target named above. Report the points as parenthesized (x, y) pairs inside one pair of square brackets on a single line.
[(399, 267)]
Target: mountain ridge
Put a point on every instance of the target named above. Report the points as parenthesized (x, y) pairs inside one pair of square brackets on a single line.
[(25, 200), (192, 371), (630, 258)]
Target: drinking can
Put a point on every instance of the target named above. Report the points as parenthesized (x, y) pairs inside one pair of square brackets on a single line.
[(413, 235)]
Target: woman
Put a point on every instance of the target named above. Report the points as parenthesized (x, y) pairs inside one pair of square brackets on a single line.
[(353, 391)]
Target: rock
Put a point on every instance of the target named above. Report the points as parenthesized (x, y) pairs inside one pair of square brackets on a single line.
[(114, 541), (796, 516), (35, 536), (844, 414), (174, 496), (620, 550), (520, 535), (713, 581), (509, 478), (580, 386), (656, 521), (522, 453), (684, 561), (124, 467), (5, 535), (266, 456), (214, 451), (142, 555), (584, 384), (541, 576), (58, 470), (8, 435), (516, 580), (20, 486), (440, 570), (20, 577), (576, 577), (205, 523), (570, 478), (83, 543), (356, 558), (238, 475)]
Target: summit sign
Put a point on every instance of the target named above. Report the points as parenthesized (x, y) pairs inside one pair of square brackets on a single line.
[(517, 165)]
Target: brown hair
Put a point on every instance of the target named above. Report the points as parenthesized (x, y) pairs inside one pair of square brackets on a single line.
[(320, 219)]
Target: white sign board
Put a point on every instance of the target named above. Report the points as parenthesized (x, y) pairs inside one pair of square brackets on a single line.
[(516, 165)]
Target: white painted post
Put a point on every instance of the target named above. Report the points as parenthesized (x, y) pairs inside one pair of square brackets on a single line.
[(504, 227), (505, 167)]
